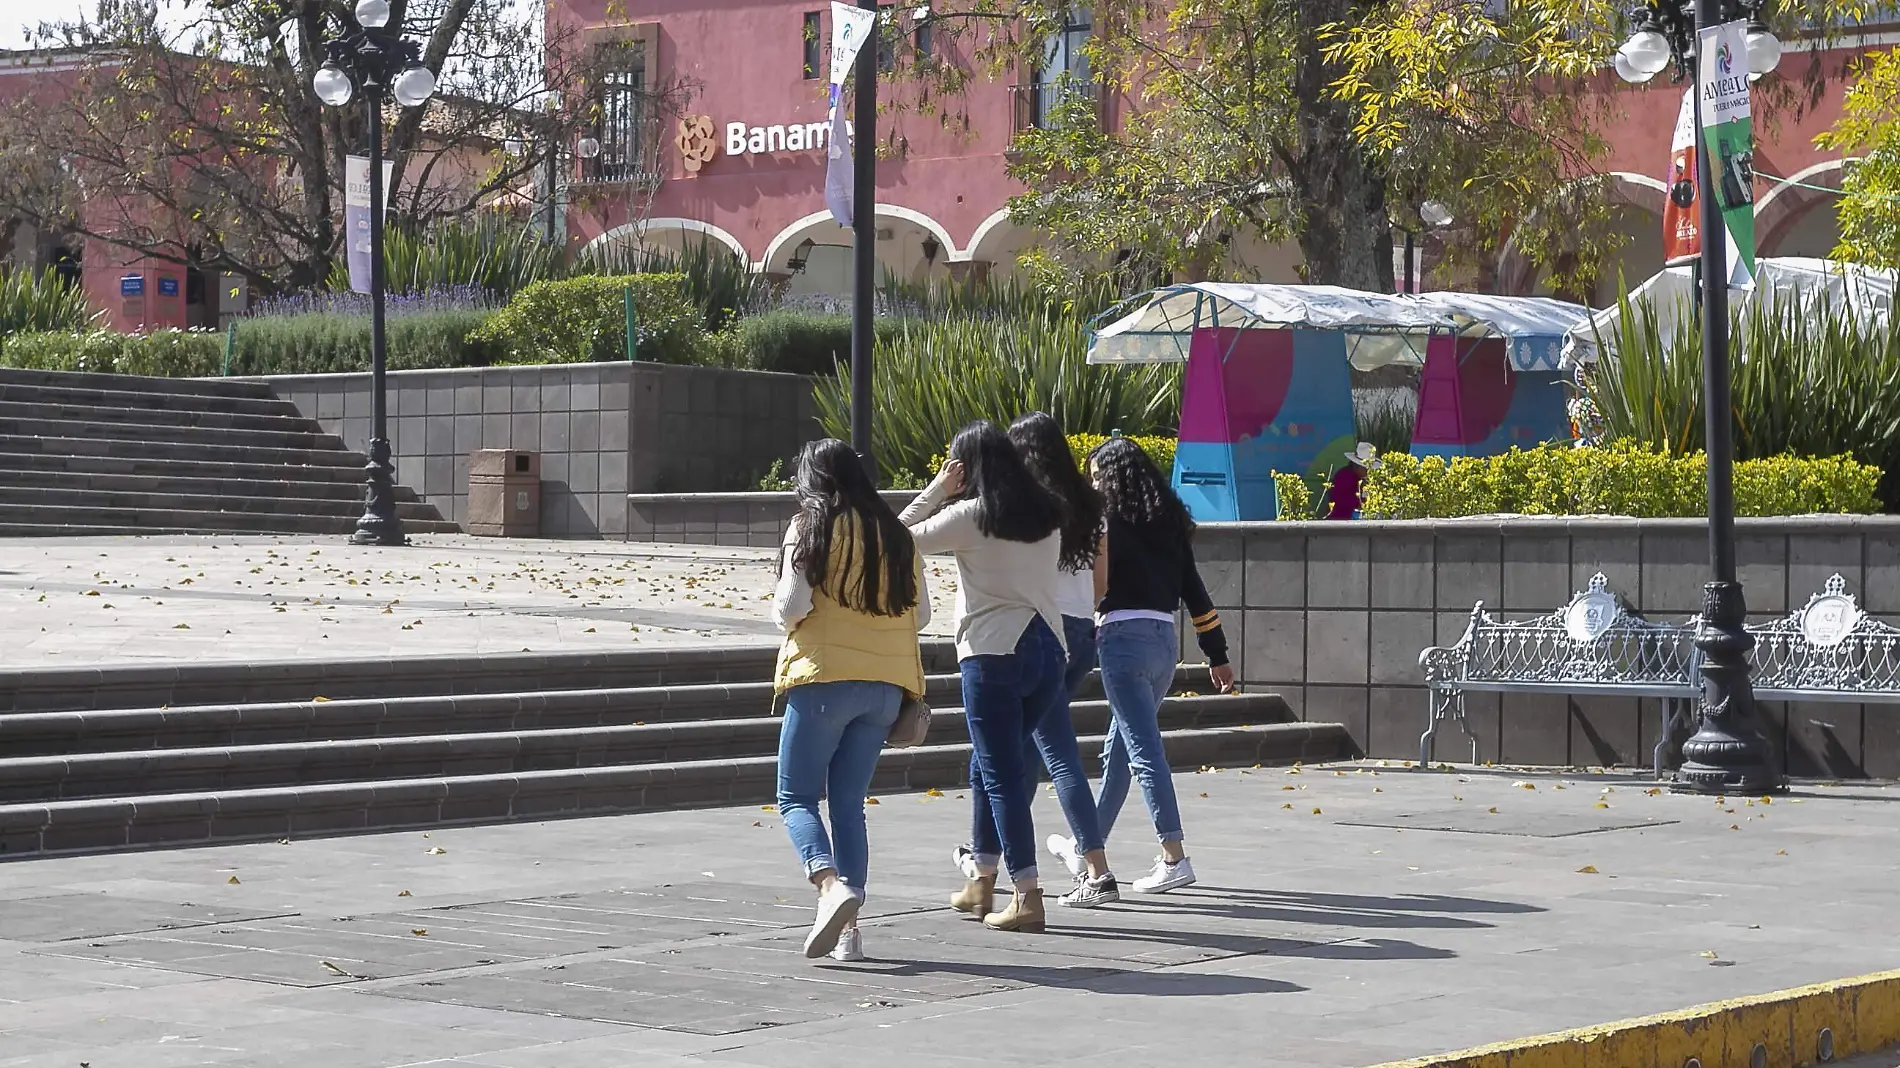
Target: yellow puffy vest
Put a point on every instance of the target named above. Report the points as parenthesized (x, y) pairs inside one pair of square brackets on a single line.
[(837, 644)]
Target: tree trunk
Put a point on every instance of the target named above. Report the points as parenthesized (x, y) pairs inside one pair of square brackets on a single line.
[(1346, 237)]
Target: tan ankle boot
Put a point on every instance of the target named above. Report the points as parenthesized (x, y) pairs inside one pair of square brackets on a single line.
[(1023, 914), (978, 897)]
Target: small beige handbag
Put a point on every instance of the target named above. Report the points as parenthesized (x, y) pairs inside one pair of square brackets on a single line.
[(912, 725)]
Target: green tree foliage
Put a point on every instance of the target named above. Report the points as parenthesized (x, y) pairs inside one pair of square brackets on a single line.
[(1869, 128)]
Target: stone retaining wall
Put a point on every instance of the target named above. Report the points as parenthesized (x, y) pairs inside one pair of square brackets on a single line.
[(603, 430), (1333, 615)]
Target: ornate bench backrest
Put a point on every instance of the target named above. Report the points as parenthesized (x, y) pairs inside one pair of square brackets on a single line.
[(1828, 644), (1595, 638)]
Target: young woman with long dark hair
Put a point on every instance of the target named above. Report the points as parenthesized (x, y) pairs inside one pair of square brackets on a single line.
[(851, 600), (1045, 451), (1143, 572), (1003, 528)]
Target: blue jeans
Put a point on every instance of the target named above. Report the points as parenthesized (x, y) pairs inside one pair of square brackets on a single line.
[(1138, 661), (829, 744), (1005, 698), (1052, 743)]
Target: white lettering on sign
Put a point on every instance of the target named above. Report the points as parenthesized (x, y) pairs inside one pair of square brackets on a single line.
[(745, 140)]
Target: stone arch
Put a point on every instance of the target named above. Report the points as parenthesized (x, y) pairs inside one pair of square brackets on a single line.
[(637, 233), (1633, 193), (905, 253), (1796, 217)]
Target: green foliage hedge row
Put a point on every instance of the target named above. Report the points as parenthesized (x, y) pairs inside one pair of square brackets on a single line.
[(1623, 479), (583, 320), (160, 354)]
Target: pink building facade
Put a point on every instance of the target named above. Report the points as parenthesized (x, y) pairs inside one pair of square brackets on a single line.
[(755, 72)]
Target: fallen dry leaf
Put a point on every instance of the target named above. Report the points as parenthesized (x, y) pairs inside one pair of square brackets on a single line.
[(1587, 869), (435, 851), (233, 880), (419, 932), (1316, 812), (1492, 810), (405, 893)]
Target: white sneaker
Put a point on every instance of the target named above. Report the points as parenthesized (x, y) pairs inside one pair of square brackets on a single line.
[(1092, 893), (836, 909), (850, 948), (965, 862), (1064, 849), (1166, 876)]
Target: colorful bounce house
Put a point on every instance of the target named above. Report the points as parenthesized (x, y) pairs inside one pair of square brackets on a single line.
[(1268, 386)]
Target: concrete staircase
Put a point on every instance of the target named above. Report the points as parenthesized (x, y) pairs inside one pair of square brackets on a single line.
[(118, 454), (133, 756)]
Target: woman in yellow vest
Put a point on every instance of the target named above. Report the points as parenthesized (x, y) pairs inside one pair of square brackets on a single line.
[(851, 600)]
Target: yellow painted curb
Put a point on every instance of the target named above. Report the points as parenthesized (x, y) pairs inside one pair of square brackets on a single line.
[(1794, 1028)]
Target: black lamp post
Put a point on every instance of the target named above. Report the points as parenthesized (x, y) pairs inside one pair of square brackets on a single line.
[(864, 246), (1727, 753), (373, 56)]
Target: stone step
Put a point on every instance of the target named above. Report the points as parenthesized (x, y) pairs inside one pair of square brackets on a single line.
[(311, 456), (343, 469), (54, 518), (101, 824), (194, 387), (300, 488), (106, 502), (175, 685), (33, 734), (160, 434), (70, 410), (174, 770)]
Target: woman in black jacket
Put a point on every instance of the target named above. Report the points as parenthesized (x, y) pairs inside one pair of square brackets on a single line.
[(1143, 572)]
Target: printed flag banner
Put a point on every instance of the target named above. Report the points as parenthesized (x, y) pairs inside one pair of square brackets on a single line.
[(1682, 241), (1729, 139), (851, 26), (356, 209)]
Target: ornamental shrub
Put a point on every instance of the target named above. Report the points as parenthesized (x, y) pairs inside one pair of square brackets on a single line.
[(583, 320), (161, 353), (1623, 479), (1159, 449), (333, 342)]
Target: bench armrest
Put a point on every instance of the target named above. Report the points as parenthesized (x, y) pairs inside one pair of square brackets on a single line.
[(1443, 663)]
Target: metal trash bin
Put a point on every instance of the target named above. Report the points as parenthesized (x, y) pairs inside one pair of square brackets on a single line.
[(504, 493)]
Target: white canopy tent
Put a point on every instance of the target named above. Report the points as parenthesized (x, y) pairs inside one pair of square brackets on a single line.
[(1866, 292), (1384, 329)]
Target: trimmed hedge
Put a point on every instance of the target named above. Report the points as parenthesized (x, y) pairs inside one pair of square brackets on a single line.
[(325, 343), (1158, 448), (161, 353), (583, 320), (1622, 479)]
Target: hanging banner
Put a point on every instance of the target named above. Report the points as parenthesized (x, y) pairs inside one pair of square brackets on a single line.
[(1681, 237), (1729, 139), (356, 216), (851, 27)]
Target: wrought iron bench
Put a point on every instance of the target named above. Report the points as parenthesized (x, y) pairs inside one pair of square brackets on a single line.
[(1826, 650), (1594, 645)]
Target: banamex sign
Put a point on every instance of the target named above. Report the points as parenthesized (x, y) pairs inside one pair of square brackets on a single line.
[(746, 140)]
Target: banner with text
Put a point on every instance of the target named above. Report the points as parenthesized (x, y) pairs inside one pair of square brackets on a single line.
[(1682, 241), (851, 27), (356, 216), (1729, 139)]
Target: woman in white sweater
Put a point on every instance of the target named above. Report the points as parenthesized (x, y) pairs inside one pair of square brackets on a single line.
[(1003, 528)]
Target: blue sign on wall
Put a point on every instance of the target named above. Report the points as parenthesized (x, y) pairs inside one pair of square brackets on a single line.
[(167, 287), (132, 285)]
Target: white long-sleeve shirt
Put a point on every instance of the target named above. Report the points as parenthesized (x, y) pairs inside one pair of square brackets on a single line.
[(1001, 585)]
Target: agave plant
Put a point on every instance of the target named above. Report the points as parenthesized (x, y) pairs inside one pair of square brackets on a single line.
[(932, 376), (1808, 378), (499, 255), (32, 302)]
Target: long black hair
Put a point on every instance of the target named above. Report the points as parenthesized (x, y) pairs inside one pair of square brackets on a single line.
[(1135, 491), (833, 488), (1046, 453), (1015, 506)]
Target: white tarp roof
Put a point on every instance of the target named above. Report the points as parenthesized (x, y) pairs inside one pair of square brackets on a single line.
[(1864, 291), (1385, 328)]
